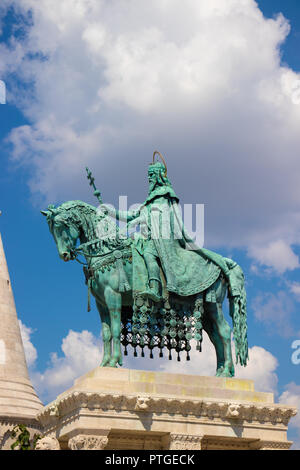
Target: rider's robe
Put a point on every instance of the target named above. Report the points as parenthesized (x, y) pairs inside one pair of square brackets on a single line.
[(187, 268)]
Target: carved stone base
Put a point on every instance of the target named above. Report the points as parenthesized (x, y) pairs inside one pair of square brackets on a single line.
[(117, 409), (87, 442)]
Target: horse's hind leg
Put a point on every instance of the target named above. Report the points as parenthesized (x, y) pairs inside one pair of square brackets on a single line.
[(216, 340), (220, 328), (221, 333), (106, 334)]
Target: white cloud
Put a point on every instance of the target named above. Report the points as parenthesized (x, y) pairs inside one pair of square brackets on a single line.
[(81, 353), (200, 81), (201, 363), (277, 255), (260, 368), (275, 312), (29, 349), (291, 396), (295, 289)]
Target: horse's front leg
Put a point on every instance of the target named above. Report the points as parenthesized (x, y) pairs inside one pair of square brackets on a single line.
[(106, 333), (113, 301)]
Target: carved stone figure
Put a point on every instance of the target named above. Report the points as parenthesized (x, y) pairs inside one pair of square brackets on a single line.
[(84, 442), (54, 411), (142, 404), (47, 443), (157, 290)]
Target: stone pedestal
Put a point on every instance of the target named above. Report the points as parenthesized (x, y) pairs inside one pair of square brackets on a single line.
[(116, 409)]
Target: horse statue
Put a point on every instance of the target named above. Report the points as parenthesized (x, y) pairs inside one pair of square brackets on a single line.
[(152, 291)]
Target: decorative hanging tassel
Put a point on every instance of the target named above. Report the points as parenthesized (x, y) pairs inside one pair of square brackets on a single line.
[(135, 353), (161, 353), (151, 354), (170, 356), (178, 357)]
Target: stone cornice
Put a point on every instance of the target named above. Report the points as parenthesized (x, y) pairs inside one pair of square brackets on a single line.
[(141, 404), (14, 420), (273, 445)]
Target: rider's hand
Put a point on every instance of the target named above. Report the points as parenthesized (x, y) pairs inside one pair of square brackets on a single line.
[(106, 209)]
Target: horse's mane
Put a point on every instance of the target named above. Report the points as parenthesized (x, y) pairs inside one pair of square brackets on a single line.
[(72, 206), (81, 214), (74, 212)]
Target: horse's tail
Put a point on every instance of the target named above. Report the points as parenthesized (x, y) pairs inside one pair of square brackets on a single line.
[(238, 311)]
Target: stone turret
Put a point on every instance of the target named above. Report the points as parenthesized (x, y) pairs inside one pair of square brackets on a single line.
[(19, 404)]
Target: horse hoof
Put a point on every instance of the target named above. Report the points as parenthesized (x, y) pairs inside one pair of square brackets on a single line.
[(105, 363), (225, 372), (112, 363)]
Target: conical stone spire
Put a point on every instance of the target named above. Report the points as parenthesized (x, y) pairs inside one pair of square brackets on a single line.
[(18, 400)]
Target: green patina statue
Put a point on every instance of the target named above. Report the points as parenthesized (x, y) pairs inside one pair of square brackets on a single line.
[(155, 289)]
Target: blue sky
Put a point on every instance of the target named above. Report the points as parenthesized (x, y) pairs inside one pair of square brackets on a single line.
[(215, 95)]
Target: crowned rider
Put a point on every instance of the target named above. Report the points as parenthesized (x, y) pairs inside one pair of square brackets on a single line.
[(163, 243), (161, 198)]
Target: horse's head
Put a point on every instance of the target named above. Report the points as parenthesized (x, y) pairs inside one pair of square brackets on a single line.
[(64, 230)]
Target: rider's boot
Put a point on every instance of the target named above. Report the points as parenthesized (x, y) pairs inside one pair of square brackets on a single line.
[(154, 290)]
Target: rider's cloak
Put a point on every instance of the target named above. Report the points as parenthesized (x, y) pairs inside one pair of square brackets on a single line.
[(187, 268)]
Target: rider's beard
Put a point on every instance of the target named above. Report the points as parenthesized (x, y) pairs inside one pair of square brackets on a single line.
[(152, 185)]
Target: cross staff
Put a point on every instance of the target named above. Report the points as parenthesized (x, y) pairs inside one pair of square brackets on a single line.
[(92, 183)]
